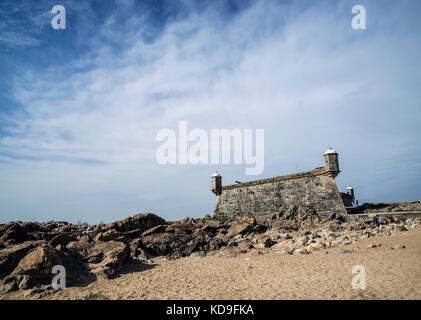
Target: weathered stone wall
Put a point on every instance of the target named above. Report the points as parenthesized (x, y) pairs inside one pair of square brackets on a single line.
[(347, 199), (313, 189)]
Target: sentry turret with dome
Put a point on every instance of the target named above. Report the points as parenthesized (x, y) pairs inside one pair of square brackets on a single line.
[(216, 183), (331, 163)]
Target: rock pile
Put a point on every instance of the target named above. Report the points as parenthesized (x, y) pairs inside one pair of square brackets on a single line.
[(28, 251)]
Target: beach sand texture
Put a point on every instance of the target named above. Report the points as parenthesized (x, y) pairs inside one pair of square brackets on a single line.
[(390, 274)]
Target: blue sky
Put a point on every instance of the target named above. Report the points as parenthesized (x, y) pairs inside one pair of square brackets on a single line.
[(80, 108)]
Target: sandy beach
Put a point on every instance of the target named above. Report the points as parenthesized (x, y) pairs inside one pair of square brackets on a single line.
[(390, 274)]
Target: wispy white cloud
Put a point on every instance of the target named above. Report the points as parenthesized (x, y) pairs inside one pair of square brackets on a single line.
[(302, 74)]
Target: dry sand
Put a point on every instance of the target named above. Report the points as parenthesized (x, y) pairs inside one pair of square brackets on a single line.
[(391, 274)]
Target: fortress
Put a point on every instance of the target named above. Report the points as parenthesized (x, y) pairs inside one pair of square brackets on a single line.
[(312, 190)]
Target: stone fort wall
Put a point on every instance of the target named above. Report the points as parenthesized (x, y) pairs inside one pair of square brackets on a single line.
[(313, 189)]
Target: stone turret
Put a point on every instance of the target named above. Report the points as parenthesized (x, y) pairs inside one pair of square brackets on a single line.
[(350, 192), (216, 183), (331, 163)]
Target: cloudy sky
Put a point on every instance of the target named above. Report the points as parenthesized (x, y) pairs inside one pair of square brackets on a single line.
[(80, 108)]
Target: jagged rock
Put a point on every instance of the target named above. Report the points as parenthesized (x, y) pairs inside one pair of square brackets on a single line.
[(11, 256), (245, 245), (264, 242), (39, 263), (229, 251), (31, 227), (141, 221), (156, 239), (95, 252), (212, 226), (198, 254), (259, 228), (64, 229), (132, 234), (240, 228), (316, 244), (62, 239), (335, 243), (182, 227), (14, 231), (399, 246), (285, 236), (276, 216), (94, 296), (334, 225), (17, 282), (81, 247), (216, 244), (278, 246), (314, 236), (107, 257), (108, 235), (158, 229), (289, 212), (284, 251), (300, 251), (221, 236), (142, 254), (273, 234), (249, 220), (177, 244), (401, 228), (85, 238)]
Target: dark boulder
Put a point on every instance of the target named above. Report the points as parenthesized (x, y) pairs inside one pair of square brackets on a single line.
[(158, 229), (112, 254), (38, 264), (12, 255), (14, 231), (108, 235), (141, 221), (62, 239), (240, 228), (17, 282), (104, 258)]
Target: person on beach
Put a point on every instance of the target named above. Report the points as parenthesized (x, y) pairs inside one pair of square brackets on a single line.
[(374, 221)]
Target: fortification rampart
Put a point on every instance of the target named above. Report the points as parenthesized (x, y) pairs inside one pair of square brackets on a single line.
[(314, 190)]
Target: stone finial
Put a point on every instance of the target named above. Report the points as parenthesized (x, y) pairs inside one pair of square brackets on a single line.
[(216, 183)]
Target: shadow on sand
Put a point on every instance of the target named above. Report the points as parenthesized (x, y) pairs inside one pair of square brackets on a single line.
[(134, 267)]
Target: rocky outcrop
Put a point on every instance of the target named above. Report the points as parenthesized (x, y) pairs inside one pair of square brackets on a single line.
[(11, 256), (89, 252), (107, 258), (388, 207), (139, 222), (38, 263), (14, 231)]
